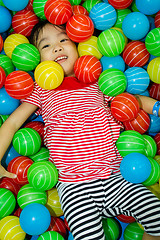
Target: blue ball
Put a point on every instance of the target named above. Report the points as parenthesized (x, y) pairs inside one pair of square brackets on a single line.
[(135, 26), (103, 15), (145, 93), (5, 19), (154, 126), (7, 103), (135, 167), (148, 7), (112, 62), (16, 5), (9, 155), (35, 219), (137, 80)]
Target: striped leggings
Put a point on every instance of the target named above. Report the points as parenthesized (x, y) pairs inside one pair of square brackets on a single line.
[(84, 205)]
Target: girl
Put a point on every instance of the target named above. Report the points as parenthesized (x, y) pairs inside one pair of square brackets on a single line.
[(80, 133)]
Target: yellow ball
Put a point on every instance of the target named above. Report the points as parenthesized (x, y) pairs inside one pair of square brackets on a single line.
[(153, 70), (10, 229), (120, 30), (53, 203), (12, 41), (49, 75), (89, 47)]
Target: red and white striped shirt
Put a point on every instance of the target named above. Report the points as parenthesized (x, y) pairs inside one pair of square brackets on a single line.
[(80, 131)]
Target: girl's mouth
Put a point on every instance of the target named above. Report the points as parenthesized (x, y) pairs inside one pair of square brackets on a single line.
[(61, 59)]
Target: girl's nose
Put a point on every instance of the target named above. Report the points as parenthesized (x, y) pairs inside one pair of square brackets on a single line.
[(58, 49)]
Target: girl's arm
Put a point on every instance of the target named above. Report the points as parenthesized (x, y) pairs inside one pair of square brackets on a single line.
[(146, 103), (8, 129)]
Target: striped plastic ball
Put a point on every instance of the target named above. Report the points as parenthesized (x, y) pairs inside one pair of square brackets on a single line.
[(78, 9), (112, 82), (111, 43), (153, 70), (125, 107), (121, 14), (12, 41), (49, 75), (87, 69), (1, 43), (42, 175), (58, 11), (111, 228), (26, 57), (28, 194), (120, 4), (2, 77), (53, 203), (155, 173), (79, 28), (20, 165), (88, 4), (152, 42), (26, 141), (30, 5), (157, 140), (75, 2), (10, 229), (157, 20), (58, 225), (23, 22), (154, 91), (135, 54), (7, 202), (50, 235), (19, 84), (38, 126), (133, 231), (38, 8), (41, 155), (130, 141), (150, 146), (7, 64), (9, 184)]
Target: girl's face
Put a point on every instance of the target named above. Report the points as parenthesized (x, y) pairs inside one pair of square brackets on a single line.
[(54, 44)]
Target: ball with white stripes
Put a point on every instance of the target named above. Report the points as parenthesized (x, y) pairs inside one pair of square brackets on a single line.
[(150, 146), (153, 70), (42, 175), (7, 202), (38, 8), (53, 203), (49, 75), (50, 235), (26, 141), (25, 57), (152, 42)]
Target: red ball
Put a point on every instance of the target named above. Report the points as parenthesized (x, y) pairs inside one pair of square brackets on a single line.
[(125, 107), (87, 69), (19, 84), (79, 28), (9, 184), (18, 212), (23, 22), (157, 20), (78, 9), (140, 123), (66, 224), (58, 225), (135, 54), (58, 11), (1, 43), (120, 4), (126, 219), (30, 6), (38, 126), (2, 77), (154, 91), (157, 140), (19, 166)]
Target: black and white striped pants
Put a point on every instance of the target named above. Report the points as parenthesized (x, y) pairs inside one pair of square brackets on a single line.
[(84, 205)]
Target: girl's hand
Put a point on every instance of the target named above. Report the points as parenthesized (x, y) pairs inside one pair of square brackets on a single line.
[(4, 173)]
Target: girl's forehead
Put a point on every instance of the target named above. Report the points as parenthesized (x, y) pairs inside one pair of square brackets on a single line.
[(51, 30)]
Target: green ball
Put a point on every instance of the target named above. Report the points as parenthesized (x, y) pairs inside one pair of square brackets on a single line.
[(152, 42), (25, 57), (4, 117), (130, 141), (41, 155), (111, 228), (111, 43), (26, 141), (88, 4), (28, 194), (42, 175), (150, 146), (38, 8), (75, 2), (7, 202), (133, 231), (7, 64), (112, 82), (49, 235), (121, 14), (155, 173)]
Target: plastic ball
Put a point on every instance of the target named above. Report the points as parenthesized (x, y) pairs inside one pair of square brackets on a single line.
[(157, 140), (153, 70), (19, 84), (12, 41), (35, 219), (50, 235), (133, 231), (121, 14), (120, 30), (135, 26), (155, 173), (5, 19), (111, 43), (152, 42), (157, 20), (26, 57), (135, 167), (58, 11), (112, 62), (9, 154), (75, 2), (7, 64), (130, 141), (89, 47), (53, 203), (87, 69), (121, 4), (38, 8), (78, 9), (112, 82), (125, 218), (125, 107), (38, 126), (27, 195), (137, 80), (17, 5), (41, 155), (19, 166), (135, 54), (30, 5), (10, 229), (42, 175), (111, 228), (1, 43), (49, 75), (154, 91), (7, 103), (88, 4), (140, 123), (154, 126), (150, 146), (7, 202), (58, 225), (103, 16), (148, 7), (2, 77), (23, 21), (79, 28), (9, 184)]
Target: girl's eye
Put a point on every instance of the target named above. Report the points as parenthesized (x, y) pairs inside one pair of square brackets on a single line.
[(45, 46), (63, 40)]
